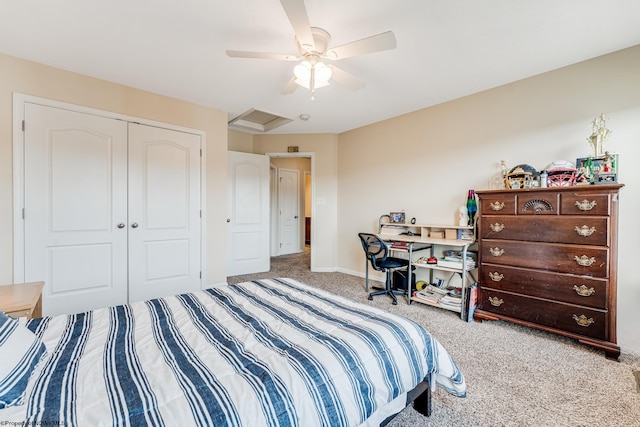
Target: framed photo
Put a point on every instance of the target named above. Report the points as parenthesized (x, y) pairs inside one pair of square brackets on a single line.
[(598, 170), (397, 217)]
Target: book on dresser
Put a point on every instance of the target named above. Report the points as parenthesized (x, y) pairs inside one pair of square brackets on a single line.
[(548, 260)]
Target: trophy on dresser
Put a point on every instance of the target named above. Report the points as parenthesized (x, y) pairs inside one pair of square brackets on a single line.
[(599, 135), (602, 167)]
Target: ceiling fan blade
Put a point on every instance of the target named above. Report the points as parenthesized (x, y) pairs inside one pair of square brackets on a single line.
[(345, 78), (290, 87), (297, 14), (261, 55), (382, 41)]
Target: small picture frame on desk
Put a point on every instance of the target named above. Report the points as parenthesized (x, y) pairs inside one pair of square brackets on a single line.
[(397, 217)]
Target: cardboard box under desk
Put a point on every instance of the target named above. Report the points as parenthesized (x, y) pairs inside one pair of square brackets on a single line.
[(437, 234)]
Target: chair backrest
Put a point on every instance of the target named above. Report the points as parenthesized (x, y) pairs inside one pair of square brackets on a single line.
[(375, 249)]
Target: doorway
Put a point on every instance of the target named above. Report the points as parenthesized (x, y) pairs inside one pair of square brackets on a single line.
[(303, 162)]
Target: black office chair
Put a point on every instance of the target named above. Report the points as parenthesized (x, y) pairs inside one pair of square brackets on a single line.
[(377, 253)]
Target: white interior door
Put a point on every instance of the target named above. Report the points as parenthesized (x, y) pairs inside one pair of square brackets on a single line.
[(164, 212), (248, 213), (289, 209), (75, 212)]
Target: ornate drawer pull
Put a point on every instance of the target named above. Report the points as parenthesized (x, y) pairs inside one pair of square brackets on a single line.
[(496, 251), (585, 205), (583, 291), (584, 260), (497, 227), (583, 320), (496, 277), (585, 231), (497, 302), (497, 206)]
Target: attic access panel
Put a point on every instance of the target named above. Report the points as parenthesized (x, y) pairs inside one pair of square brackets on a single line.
[(256, 120)]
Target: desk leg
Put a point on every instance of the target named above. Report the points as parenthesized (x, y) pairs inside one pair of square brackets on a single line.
[(410, 275), (366, 275)]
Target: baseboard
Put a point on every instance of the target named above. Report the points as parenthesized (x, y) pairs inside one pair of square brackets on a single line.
[(323, 270), (372, 276)]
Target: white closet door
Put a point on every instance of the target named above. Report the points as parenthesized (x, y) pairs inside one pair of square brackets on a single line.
[(75, 201), (247, 213), (164, 212)]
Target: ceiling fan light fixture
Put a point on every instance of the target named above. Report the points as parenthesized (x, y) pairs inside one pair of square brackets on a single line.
[(323, 73), (302, 71), (318, 72)]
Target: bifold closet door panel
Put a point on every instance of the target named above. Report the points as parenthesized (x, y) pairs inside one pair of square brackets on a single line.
[(75, 208), (164, 212)]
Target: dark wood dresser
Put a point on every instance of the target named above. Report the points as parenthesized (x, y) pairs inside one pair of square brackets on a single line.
[(548, 260)]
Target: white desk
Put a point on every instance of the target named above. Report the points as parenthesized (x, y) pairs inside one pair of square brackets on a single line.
[(419, 239)]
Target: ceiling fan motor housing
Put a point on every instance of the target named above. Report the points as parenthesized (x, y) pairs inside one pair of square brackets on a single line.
[(321, 39)]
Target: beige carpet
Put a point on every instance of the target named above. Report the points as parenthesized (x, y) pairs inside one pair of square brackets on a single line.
[(516, 376)]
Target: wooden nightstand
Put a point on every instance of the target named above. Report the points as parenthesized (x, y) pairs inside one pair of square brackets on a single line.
[(22, 299)]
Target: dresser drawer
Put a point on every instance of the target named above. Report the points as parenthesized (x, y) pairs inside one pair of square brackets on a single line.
[(503, 204), (568, 288), (561, 229), (536, 203), (584, 204), (561, 258), (572, 318)]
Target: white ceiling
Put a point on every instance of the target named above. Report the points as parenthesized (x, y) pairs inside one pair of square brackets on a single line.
[(445, 49)]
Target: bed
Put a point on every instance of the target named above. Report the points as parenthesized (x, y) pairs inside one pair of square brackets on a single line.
[(273, 352)]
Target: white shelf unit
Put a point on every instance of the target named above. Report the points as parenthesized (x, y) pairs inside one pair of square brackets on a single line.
[(419, 237)]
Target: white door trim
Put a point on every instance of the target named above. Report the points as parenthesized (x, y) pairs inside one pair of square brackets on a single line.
[(312, 156), (19, 101), (273, 211)]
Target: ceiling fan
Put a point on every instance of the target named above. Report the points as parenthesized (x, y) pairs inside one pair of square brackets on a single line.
[(313, 47)]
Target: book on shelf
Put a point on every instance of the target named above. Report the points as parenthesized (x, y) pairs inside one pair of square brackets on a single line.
[(464, 234), (457, 264), (471, 301), (431, 294), (451, 301), (427, 296), (400, 246)]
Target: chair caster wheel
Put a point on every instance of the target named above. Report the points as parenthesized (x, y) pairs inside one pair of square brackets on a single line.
[(395, 303), (370, 298)]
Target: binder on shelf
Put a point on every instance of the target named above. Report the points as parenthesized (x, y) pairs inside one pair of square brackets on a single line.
[(471, 302)]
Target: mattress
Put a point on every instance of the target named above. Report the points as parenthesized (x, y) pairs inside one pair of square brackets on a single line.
[(273, 352)]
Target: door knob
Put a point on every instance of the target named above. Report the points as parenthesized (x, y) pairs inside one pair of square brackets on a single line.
[(120, 225), (295, 217), (228, 220), (134, 225)]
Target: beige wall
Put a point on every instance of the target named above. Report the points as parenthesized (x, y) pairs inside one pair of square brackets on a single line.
[(426, 161), (38, 80), (324, 224), (240, 141)]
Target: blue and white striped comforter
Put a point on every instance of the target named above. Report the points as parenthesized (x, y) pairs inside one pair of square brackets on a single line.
[(271, 352)]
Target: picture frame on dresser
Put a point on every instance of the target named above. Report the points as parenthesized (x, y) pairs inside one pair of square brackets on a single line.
[(548, 260), (599, 170)]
